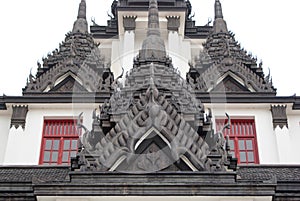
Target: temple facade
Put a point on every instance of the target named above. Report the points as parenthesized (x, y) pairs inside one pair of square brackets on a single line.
[(150, 106)]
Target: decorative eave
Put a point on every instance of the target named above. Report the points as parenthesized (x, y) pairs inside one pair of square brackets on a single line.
[(233, 98), (207, 78), (85, 75)]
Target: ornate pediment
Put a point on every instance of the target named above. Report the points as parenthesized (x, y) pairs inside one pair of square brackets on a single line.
[(152, 123), (69, 84), (86, 76), (151, 120), (245, 79), (229, 84)]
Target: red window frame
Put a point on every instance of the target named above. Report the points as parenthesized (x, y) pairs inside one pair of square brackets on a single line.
[(59, 141), (242, 139)]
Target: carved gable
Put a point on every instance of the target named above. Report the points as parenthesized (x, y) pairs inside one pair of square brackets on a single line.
[(230, 85), (69, 84)]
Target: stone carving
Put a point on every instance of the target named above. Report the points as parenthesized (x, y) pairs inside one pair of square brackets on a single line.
[(208, 79), (129, 23), (223, 55), (78, 56), (81, 25), (219, 148), (153, 46), (173, 23), (153, 123), (18, 117), (151, 115), (279, 116)]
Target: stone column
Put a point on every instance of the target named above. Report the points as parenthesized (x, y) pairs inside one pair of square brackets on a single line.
[(16, 146), (116, 64), (281, 131), (175, 42), (129, 25)]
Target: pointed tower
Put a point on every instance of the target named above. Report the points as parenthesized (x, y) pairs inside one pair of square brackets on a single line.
[(81, 25), (153, 47), (62, 71), (219, 23), (237, 70)]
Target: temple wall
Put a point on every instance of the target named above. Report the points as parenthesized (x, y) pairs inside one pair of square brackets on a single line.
[(23, 146), (266, 140), (127, 47), (294, 138), (5, 116)]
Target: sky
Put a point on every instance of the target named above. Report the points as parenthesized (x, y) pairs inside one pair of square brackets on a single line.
[(269, 29)]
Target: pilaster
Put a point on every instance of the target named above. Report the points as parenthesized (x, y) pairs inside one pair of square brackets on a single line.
[(281, 131), (129, 25), (174, 42)]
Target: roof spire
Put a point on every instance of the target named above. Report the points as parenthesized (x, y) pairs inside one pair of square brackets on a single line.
[(153, 19), (153, 47), (218, 10), (82, 10), (219, 23), (80, 25)]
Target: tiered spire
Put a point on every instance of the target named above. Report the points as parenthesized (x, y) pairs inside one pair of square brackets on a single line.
[(78, 50), (219, 23), (153, 19), (153, 47), (81, 25), (218, 10), (222, 53)]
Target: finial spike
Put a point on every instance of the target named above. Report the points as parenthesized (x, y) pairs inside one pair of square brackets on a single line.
[(82, 10), (219, 23), (80, 25), (153, 19), (153, 47), (218, 10)]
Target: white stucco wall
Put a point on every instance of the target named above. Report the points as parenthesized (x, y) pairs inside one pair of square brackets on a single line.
[(5, 116), (288, 139), (23, 146), (266, 140), (128, 44)]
